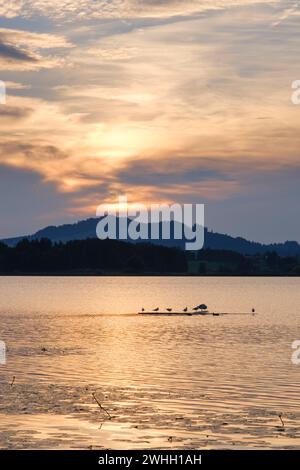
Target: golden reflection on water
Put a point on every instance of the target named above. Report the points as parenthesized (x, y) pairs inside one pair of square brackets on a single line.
[(184, 375)]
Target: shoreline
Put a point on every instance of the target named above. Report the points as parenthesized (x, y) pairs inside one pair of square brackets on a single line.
[(137, 274)]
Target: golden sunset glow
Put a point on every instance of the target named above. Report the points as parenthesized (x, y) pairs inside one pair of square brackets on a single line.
[(177, 101)]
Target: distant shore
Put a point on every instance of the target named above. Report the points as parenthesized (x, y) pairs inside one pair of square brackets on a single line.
[(133, 274), (93, 257)]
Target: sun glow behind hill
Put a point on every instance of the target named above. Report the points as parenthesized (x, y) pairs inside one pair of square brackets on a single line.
[(164, 101)]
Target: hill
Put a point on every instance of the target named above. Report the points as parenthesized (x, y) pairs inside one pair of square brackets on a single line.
[(86, 229)]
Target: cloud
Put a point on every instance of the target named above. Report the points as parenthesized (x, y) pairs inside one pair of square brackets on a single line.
[(16, 54), (11, 8), (20, 50), (172, 170), (31, 152), (202, 86), (12, 114), (10, 85), (286, 14), (123, 9), (33, 39), (203, 94), (165, 101)]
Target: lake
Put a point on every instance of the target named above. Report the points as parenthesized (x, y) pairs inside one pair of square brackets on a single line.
[(182, 383)]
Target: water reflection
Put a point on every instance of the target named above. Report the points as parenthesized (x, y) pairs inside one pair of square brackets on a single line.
[(188, 374)]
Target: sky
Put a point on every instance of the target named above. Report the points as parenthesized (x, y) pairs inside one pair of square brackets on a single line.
[(160, 100)]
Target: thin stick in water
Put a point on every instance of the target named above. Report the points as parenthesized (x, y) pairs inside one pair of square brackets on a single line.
[(100, 405), (280, 417)]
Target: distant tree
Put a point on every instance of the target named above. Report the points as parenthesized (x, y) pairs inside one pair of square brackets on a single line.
[(106, 256), (202, 268), (272, 259)]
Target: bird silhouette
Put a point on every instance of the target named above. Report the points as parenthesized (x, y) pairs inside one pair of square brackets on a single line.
[(142, 310), (202, 307), (185, 309), (156, 309), (169, 310), (196, 308)]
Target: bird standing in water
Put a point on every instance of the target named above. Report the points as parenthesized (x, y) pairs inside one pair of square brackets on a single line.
[(185, 309), (156, 309), (169, 310)]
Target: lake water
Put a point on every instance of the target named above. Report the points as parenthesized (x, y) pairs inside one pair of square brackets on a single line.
[(181, 383)]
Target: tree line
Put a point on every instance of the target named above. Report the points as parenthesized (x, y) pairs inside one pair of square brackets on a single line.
[(94, 256), (91, 255)]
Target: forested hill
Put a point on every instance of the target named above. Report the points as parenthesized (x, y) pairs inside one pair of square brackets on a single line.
[(85, 229)]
